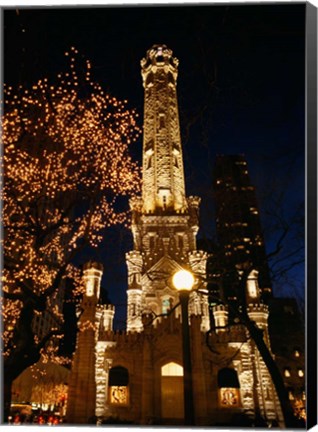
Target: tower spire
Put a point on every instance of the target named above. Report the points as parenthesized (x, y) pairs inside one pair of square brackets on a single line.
[(163, 176)]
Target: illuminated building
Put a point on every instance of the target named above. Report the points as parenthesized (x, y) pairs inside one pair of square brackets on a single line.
[(238, 224), (137, 375), (286, 330)]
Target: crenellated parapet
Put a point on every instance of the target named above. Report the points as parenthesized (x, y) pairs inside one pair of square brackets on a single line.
[(115, 340), (235, 334), (258, 312)]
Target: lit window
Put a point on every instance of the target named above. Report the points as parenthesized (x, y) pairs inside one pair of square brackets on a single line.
[(290, 395), (165, 305), (119, 395), (229, 397), (172, 369), (300, 373), (287, 372), (161, 121), (118, 386), (229, 388)]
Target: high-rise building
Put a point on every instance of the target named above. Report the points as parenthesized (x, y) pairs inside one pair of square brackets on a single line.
[(287, 337), (238, 225), (140, 375)]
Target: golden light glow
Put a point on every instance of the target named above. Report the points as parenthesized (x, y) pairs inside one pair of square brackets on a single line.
[(183, 280), (65, 163), (118, 395), (171, 369), (229, 397)]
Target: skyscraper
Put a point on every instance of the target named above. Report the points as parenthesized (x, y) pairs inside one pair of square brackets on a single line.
[(238, 225)]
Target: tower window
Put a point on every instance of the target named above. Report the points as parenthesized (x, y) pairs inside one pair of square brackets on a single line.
[(149, 162), (161, 121), (164, 202), (176, 161), (151, 242)]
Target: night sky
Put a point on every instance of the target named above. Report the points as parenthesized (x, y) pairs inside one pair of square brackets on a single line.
[(241, 89)]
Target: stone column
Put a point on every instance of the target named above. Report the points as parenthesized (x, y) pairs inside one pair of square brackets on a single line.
[(198, 374), (147, 396)]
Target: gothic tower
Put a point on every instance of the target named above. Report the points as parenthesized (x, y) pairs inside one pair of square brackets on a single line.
[(165, 222)]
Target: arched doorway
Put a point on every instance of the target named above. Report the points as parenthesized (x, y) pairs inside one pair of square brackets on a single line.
[(172, 392)]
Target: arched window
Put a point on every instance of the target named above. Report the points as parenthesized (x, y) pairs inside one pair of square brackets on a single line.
[(166, 303), (172, 369), (229, 388), (118, 386)]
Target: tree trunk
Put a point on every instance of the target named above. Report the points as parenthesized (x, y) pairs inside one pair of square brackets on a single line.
[(7, 387), (257, 335)]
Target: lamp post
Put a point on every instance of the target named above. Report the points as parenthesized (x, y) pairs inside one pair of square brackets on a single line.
[(183, 281)]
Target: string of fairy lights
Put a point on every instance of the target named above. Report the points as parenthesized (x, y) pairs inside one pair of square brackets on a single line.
[(65, 162)]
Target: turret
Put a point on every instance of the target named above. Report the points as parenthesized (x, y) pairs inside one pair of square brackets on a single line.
[(108, 317), (252, 288), (92, 276), (220, 313)]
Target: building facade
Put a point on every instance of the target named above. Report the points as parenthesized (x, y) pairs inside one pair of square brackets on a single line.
[(137, 376), (287, 337), (238, 225)]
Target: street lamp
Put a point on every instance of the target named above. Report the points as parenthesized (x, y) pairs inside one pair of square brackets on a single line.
[(183, 281)]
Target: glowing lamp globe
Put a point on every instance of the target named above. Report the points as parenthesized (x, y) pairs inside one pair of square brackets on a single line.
[(183, 280)]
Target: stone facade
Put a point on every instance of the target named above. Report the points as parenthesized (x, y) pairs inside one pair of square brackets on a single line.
[(137, 375)]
